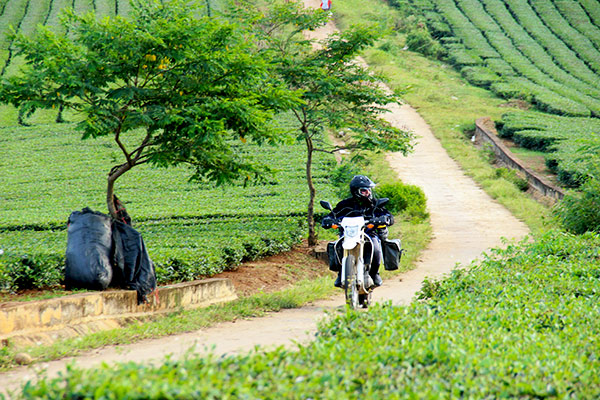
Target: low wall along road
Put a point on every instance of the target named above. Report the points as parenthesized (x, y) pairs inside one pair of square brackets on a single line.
[(44, 321)]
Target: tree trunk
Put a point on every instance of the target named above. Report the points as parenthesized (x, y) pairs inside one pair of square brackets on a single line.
[(312, 235), (114, 174)]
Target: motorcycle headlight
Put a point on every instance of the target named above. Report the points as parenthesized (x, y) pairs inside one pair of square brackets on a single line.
[(351, 231)]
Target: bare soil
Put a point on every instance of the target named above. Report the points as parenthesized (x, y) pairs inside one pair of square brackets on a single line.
[(276, 272)]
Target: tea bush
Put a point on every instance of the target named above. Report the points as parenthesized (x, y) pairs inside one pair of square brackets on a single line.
[(30, 271), (522, 323), (512, 176), (579, 212), (530, 51)]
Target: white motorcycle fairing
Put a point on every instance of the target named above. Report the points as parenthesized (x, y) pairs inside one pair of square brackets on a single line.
[(352, 227), (353, 235)]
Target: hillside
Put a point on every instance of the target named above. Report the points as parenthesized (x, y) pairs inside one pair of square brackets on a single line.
[(546, 53)]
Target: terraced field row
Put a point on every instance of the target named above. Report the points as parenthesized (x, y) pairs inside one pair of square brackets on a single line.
[(25, 15), (544, 52)]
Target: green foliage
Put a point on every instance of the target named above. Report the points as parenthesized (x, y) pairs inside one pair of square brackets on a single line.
[(31, 271), (342, 175), (407, 199), (419, 39), (579, 212), (560, 137), (545, 53), (200, 250), (336, 93), (481, 332), (480, 76)]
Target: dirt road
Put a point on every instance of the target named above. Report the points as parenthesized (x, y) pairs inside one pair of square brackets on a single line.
[(466, 222)]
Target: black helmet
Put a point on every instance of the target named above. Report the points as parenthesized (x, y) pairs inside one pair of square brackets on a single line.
[(361, 187)]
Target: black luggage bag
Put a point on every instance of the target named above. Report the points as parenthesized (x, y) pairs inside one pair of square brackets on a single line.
[(335, 253), (392, 253)]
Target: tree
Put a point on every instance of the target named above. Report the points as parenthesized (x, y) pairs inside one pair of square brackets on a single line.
[(337, 92), (170, 88)]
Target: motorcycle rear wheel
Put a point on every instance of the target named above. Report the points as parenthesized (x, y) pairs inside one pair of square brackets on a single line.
[(350, 286)]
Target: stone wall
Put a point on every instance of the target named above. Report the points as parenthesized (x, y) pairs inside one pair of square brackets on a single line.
[(43, 321), (486, 132)]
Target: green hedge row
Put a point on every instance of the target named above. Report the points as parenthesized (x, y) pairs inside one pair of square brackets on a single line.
[(579, 18), (181, 250), (552, 17), (520, 324), (562, 138), (538, 55), (560, 51), (405, 199), (545, 53), (487, 32)]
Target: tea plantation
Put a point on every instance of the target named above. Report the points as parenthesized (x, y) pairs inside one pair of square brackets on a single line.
[(522, 323), (544, 52)]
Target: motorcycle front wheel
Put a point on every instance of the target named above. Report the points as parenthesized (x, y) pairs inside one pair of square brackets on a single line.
[(350, 287)]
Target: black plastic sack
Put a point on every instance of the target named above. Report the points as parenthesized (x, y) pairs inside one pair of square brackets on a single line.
[(392, 253), (88, 255), (132, 266), (335, 253)]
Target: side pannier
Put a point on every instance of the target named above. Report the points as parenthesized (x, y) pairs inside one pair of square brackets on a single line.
[(335, 253), (392, 253)]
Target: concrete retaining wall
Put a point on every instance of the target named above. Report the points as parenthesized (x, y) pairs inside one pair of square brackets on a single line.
[(47, 320), (485, 131)]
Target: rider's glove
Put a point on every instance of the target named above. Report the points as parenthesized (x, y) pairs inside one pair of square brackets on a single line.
[(380, 221), (327, 222)]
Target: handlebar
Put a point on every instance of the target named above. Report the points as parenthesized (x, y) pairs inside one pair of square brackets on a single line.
[(370, 224)]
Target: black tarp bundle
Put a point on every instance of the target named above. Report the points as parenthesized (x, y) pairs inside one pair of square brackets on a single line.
[(102, 252), (132, 266)]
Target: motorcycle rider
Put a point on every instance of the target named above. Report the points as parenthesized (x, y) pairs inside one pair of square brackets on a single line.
[(363, 203)]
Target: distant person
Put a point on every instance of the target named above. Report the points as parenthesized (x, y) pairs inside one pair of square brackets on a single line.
[(326, 5)]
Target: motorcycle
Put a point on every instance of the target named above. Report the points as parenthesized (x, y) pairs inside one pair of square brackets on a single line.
[(357, 255)]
